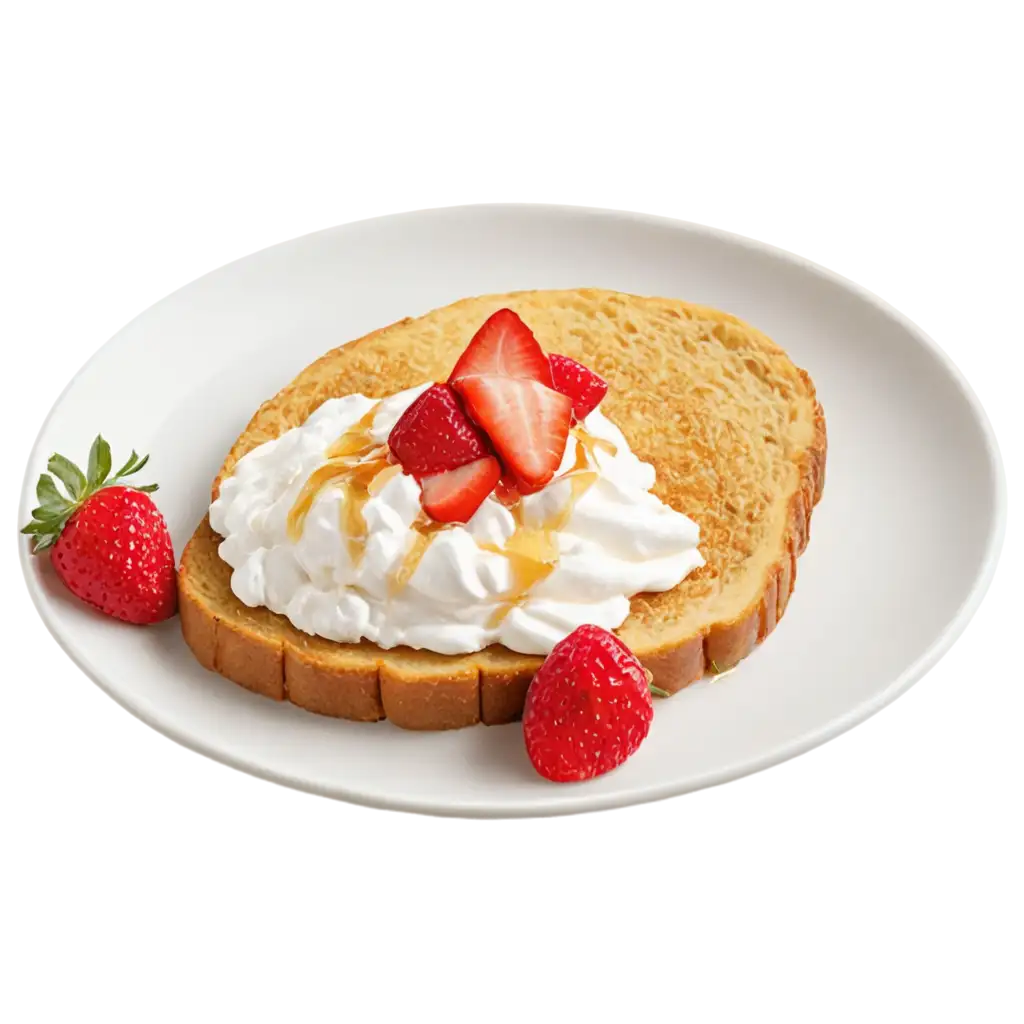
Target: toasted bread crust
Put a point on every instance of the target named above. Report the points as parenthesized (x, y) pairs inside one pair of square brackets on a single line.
[(264, 653)]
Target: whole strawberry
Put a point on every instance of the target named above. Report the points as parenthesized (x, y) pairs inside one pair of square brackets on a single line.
[(588, 708), (109, 543)]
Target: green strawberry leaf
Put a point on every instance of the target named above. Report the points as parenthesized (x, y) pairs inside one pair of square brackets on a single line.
[(129, 467), (43, 541), (99, 463), (68, 474), (55, 509), (49, 513), (47, 494), (137, 466)]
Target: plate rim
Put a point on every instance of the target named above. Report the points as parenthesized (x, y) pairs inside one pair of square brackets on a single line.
[(575, 801)]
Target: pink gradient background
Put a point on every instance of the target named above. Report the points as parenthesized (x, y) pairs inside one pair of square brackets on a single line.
[(142, 884)]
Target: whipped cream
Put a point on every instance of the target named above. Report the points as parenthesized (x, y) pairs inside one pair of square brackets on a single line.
[(342, 549)]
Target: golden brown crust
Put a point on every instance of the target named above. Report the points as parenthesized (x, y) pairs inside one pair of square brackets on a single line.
[(332, 690), (449, 701), (417, 690)]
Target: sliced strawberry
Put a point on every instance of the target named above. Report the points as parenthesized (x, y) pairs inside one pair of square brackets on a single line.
[(511, 489), (506, 346), (507, 491), (527, 423), (454, 496), (434, 434), (579, 382)]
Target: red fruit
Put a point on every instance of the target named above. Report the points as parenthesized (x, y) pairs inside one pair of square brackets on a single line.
[(434, 434), (510, 489), (579, 382), (454, 496), (110, 542), (588, 707), (507, 490), (527, 423), (505, 346)]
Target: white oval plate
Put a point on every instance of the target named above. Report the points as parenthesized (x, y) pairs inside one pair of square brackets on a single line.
[(882, 592)]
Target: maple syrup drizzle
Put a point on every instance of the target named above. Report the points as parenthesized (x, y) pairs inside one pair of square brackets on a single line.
[(355, 461), (362, 469), (532, 551), (424, 530)]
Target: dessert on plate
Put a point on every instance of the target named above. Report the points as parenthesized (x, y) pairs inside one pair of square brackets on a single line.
[(408, 528)]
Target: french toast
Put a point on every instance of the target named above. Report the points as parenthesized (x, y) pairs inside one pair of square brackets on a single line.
[(735, 433)]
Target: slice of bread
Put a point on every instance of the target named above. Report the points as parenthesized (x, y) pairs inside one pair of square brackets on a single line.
[(732, 427)]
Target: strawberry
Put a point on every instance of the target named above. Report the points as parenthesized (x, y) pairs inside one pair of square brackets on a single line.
[(110, 545), (434, 434), (579, 382), (527, 423), (507, 490), (510, 489), (588, 707), (505, 346), (454, 496)]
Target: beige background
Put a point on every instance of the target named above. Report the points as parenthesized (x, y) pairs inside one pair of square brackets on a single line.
[(140, 884)]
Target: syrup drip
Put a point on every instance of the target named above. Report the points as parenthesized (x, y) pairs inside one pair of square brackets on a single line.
[(362, 468), (425, 528), (532, 551)]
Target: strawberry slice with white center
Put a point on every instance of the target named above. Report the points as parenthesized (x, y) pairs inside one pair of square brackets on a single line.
[(579, 382), (504, 346), (454, 496), (528, 423)]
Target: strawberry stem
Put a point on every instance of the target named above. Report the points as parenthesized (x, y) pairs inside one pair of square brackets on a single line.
[(656, 690), (55, 508)]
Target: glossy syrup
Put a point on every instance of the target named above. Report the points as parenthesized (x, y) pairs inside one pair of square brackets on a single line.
[(424, 530), (362, 468), (532, 551)]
